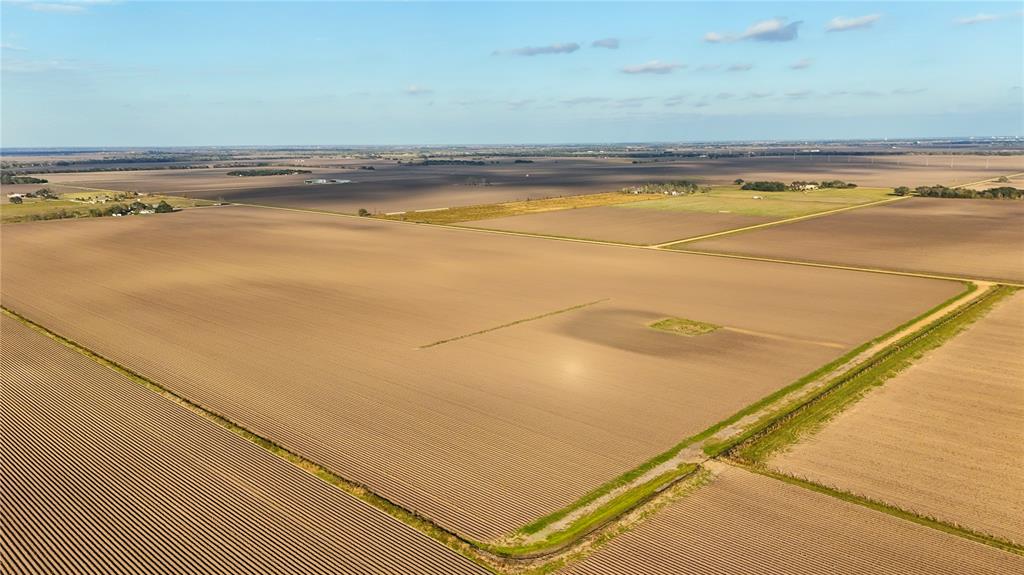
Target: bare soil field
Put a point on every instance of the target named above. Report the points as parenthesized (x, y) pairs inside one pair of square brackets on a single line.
[(942, 439), (748, 523), (615, 224), (312, 330), (100, 474), (393, 187), (973, 238)]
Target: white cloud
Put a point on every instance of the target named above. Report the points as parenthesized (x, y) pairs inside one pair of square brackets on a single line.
[(57, 8), (976, 19), (801, 64), (740, 67), (773, 30), (652, 67), (13, 48), (417, 90), (558, 48), (584, 100), (609, 43), (840, 24)]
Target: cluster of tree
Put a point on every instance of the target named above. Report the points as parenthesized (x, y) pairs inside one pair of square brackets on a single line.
[(1001, 193), (518, 161), (9, 178), (764, 186), (268, 172), (676, 188), (367, 168), (837, 184)]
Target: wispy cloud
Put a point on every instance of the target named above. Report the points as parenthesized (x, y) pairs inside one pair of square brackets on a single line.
[(715, 38), (557, 48), (652, 67), (518, 104), (675, 100), (609, 43), (907, 91), (801, 64), (841, 24), (976, 19), (59, 8), (756, 95), (773, 30), (417, 90), (24, 66), (629, 102), (583, 100), (740, 67), (13, 48), (798, 94)]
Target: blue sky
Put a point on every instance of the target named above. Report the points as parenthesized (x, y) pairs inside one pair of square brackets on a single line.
[(98, 73)]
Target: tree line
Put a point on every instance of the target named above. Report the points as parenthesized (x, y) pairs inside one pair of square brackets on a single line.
[(939, 191)]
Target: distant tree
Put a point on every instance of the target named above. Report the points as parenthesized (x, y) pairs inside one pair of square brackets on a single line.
[(1003, 180), (163, 207), (902, 191), (738, 181), (364, 212), (16, 200), (764, 186)]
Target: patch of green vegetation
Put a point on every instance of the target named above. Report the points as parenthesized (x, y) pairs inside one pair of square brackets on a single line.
[(581, 526), (687, 327), (812, 413), (488, 211), (267, 172), (893, 510), (788, 204)]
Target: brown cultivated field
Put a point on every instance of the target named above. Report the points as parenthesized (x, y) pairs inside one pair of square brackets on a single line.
[(102, 475), (615, 224), (973, 238), (944, 438), (315, 331), (392, 187), (747, 523)]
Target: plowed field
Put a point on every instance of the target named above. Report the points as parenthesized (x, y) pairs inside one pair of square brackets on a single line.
[(973, 238), (747, 523), (101, 475), (311, 330), (944, 438)]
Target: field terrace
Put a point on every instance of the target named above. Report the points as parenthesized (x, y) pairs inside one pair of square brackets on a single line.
[(316, 332)]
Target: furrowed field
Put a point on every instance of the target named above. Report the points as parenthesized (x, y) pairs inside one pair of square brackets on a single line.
[(943, 439), (747, 523), (467, 376)]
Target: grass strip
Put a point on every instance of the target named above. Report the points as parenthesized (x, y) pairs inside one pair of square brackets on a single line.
[(488, 211), (717, 448), (893, 510), (510, 324), (603, 515), (761, 441)]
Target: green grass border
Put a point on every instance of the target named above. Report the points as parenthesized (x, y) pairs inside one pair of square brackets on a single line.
[(890, 509), (783, 429)]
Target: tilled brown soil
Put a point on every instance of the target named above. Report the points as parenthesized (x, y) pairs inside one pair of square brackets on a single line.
[(973, 238), (944, 438), (615, 224), (747, 523), (101, 475), (307, 329)]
